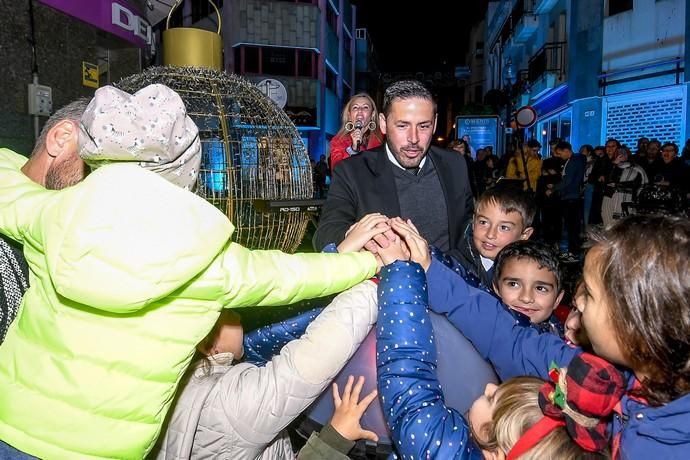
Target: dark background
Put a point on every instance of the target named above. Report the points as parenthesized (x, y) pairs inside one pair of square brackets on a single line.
[(419, 36)]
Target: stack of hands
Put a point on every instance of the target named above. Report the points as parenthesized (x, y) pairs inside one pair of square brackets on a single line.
[(389, 239)]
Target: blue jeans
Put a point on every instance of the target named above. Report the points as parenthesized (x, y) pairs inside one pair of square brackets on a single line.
[(8, 452)]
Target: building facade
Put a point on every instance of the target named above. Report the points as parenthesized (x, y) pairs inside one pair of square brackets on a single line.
[(305, 48), (593, 69), (65, 49)]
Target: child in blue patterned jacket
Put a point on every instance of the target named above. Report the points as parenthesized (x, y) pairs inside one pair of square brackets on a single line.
[(634, 306), (518, 419)]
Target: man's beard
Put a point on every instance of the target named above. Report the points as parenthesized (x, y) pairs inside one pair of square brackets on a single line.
[(406, 162), (65, 174)]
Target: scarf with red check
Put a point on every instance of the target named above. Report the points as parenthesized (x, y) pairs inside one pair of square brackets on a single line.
[(580, 398)]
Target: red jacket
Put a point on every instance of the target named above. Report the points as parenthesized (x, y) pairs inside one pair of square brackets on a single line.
[(339, 145)]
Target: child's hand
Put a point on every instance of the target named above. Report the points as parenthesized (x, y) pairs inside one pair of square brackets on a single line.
[(363, 231), (418, 247), (349, 410), (396, 250)]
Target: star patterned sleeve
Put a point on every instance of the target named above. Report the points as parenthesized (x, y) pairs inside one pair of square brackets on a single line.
[(513, 348), (421, 424), (263, 343)]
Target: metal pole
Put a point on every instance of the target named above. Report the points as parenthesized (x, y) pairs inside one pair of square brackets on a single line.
[(509, 110), (36, 119), (34, 63)]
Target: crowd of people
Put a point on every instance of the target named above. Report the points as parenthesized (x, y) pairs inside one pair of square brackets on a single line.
[(593, 186), (122, 294)]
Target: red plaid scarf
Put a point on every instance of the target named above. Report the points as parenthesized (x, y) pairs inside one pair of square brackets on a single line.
[(582, 399)]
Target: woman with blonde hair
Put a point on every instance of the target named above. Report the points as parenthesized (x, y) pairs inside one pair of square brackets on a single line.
[(359, 130)]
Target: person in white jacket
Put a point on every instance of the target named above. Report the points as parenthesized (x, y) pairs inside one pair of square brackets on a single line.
[(240, 411)]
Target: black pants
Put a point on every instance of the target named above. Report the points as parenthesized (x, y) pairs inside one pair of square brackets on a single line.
[(595, 210), (572, 215), (551, 221)]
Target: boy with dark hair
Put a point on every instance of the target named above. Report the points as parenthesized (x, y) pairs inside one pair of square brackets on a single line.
[(503, 214), (528, 279)]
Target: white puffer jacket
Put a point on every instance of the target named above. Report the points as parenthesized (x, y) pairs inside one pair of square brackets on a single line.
[(240, 412)]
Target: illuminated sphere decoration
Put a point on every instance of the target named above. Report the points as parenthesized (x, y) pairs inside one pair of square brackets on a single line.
[(251, 151)]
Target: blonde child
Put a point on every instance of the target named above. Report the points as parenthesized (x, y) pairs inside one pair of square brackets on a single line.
[(635, 309)]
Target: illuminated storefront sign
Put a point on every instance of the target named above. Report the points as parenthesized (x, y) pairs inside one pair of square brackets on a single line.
[(114, 16), (479, 131)]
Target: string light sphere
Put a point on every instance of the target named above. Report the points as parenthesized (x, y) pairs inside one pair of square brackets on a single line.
[(251, 151)]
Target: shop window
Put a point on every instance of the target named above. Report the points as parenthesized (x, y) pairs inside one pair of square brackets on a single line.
[(544, 140), (278, 61), (619, 6), (557, 128), (305, 63), (565, 127), (553, 129), (251, 59)]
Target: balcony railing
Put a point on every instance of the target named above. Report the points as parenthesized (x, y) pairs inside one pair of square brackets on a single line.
[(526, 26), (549, 58), (523, 75)]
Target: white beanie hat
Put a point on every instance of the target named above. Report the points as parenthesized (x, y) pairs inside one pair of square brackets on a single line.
[(150, 127)]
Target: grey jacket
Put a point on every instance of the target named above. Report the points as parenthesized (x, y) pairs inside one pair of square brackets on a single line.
[(240, 412)]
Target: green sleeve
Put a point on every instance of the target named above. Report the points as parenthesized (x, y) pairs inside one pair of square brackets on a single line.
[(241, 277), (328, 444), (21, 199)]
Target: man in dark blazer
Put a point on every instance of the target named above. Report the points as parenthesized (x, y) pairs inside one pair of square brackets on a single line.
[(405, 177)]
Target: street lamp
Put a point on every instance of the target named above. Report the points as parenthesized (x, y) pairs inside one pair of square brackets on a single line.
[(508, 82)]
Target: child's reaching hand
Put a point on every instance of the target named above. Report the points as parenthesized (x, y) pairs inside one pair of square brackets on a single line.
[(363, 231), (418, 246), (349, 410), (396, 249)]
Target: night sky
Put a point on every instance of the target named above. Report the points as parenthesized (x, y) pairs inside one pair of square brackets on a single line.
[(399, 29)]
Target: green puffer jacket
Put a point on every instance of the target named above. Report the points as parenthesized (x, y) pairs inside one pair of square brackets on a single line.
[(128, 274)]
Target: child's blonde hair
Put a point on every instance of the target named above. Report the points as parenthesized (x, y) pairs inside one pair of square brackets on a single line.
[(517, 410)]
